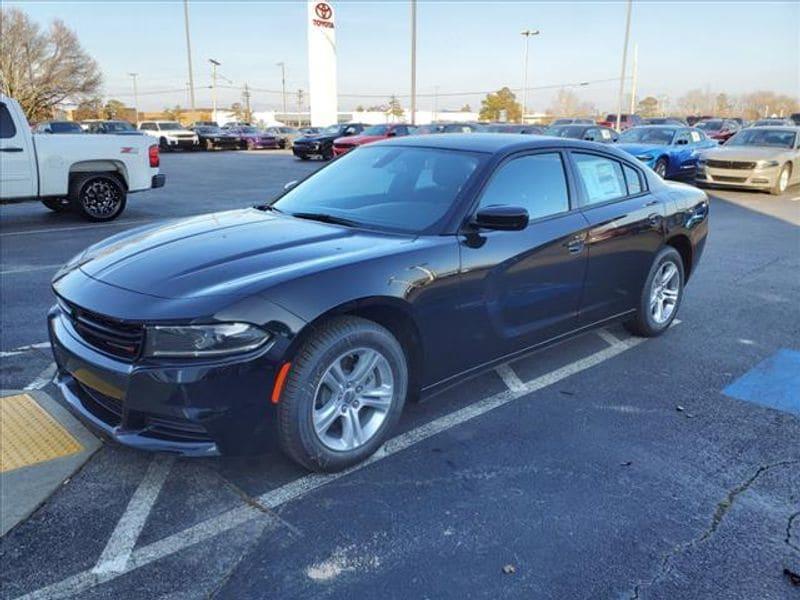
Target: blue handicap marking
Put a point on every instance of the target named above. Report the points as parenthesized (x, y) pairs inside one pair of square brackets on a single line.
[(774, 382)]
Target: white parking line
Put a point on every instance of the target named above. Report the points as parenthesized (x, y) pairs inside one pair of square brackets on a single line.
[(117, 552), (609, 337), (74, 228), (45, 377), (307, 484), (24, 349), (29, 269), (509, 377)]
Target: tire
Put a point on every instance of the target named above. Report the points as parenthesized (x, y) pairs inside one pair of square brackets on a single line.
[(325, 440), (782, 182), (646, 322), (209, 145), (250, 145), (327, 154), (57, 204), (661, 167), (98, 197), (163, 146)]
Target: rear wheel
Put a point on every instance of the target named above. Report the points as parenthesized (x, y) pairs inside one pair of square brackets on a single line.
[(56, 204), (344, 394), (782, 182), (327, 154), (661, 295), (98, 197)]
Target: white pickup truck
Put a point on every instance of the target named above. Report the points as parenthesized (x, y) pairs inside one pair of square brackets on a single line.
[(92, 174)]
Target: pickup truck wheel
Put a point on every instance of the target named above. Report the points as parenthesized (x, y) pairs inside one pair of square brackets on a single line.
[(98, 197), (56, 204)]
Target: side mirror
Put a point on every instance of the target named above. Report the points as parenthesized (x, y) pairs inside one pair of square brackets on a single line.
[(501, 218), (682, 142), (290, 185)]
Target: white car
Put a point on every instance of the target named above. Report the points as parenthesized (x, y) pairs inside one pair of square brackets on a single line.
[(90, 174), (171, 135)]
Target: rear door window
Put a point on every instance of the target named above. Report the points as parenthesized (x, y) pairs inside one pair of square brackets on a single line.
[(7, 128), (601, 177)]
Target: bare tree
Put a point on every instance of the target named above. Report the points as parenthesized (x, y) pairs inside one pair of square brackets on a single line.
[(41, 69), (567, 104)]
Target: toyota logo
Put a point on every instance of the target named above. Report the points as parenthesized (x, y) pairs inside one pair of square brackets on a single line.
[(323, 10)]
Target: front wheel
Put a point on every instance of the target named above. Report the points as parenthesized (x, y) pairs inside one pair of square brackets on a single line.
[(782, 182), (661, 167), (661, 295), (344, 394), (98, 197), (56, 204)]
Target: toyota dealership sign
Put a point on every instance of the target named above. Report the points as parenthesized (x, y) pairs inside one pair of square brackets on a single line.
[(322, 63)]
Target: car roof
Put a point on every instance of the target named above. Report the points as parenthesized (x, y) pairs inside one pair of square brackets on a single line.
[(490, 143)]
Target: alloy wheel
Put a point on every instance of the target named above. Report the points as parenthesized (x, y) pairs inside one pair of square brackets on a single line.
[(661, 169), (664, 292), (101, 199), (783, 180), (353, 399)]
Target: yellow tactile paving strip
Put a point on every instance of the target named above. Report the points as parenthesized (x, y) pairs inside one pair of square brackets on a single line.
[(29, 435)]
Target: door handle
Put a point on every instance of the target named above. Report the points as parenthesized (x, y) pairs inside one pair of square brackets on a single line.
[(650, 203), (10, 149), (575, 244)]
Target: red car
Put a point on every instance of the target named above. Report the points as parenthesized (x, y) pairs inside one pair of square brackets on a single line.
[(719, 129), (625, 122), (343, 145)]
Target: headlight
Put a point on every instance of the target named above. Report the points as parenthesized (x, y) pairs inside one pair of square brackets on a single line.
[(766, 164), (645, 157), (203, 340)]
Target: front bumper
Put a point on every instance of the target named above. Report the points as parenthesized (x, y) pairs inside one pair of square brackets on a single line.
[(192, 408), (756, 179), (186, 143), (307, 151)]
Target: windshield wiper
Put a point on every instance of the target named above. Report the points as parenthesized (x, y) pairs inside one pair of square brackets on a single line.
[(267, 208), (326, 218)]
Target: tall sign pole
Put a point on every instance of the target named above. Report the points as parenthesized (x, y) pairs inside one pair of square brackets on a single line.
[(624, 65), (189, 51), (413, 62), (322, 63)]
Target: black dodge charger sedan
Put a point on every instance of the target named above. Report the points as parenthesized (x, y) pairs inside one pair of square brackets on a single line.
[(390, 273), (320, 144)]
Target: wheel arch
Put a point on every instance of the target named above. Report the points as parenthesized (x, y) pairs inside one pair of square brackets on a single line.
[(100, 167), (392, 313), (683, 245)]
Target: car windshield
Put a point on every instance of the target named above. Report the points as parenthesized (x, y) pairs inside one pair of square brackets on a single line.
[(395, 188), (287, 130), (648, 135), (65, 127), (713, 125), (114, 126), (376, 130), (767, 122), (209, 129), (776, 138), (567, 131), (248, 130), (169, 126), (331, 129), (562, 122)]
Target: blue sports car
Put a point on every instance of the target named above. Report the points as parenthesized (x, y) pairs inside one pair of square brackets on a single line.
[(671, 151)]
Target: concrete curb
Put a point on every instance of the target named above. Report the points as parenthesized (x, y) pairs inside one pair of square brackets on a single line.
[(23, 490)]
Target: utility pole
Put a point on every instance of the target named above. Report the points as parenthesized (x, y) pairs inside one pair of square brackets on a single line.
[(624, 64), (527, 34), (189, 51), (413, 62), (246, 95), (214, 65), (135, 95), (299, 105), (283, 85), (635, 77)]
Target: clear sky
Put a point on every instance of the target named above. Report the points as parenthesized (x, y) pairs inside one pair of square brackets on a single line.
[(735, 47)]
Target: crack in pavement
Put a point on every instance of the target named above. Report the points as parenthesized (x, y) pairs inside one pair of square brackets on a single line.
[(788, 538), (722, 509)]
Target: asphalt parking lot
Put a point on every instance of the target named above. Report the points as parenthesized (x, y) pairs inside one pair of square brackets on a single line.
[(605, 467)]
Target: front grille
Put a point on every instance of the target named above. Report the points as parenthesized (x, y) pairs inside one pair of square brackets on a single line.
[(180, 429), (729, 179), (730, 164), (108, 335)]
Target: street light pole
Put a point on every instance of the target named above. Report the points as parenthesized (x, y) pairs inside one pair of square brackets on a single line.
[(527, 34), (624, 61), (214, 65), (283, 85), (635, 80), (135, 95), (189, 51), (413, 62)]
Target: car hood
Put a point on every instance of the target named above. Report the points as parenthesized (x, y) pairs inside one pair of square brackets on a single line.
[(318, 138), (231, 253), (639, 149), (746, 153)]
